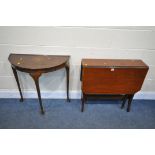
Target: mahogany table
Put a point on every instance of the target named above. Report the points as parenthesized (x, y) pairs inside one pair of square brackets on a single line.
[(35, 65), (112, 78)]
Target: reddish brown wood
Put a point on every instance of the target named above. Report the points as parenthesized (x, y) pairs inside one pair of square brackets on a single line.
[(122, 63), (35, 65), (113, 76), (112, 81)]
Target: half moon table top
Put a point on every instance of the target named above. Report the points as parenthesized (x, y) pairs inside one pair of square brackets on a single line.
[(35, 62)]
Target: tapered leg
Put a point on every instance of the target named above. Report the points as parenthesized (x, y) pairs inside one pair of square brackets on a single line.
[(129, 102), (35, 77), (124, 101), (83, 102), (18, 84), (67, 82)]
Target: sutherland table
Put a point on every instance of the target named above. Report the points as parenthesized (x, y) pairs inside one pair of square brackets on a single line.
[(35, 65), (112, 77)]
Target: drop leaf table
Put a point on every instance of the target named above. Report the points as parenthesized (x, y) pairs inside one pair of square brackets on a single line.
[(112, 77)]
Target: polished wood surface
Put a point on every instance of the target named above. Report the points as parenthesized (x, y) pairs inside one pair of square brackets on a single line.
[(36, 65), (117, 63), (112, 81), (112, 76), (37, 62)]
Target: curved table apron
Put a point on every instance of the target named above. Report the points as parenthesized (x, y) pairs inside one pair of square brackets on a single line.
[(36, 65)]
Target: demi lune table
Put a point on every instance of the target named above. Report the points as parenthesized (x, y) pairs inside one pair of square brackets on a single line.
[(36, 65)]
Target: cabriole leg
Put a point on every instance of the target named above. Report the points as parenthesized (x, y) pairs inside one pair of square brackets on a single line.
[(35, 77), (18, 84)]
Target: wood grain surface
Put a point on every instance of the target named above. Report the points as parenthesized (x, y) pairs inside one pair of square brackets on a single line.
[(33, 62), (114, 77)]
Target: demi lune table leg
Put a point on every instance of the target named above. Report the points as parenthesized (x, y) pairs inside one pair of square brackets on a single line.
[(18, 84), (67, 82), (35, 77)]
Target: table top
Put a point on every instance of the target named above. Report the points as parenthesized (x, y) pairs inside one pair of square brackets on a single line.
[(34, 62), (118, 63)]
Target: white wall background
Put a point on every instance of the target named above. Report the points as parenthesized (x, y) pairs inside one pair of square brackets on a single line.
[(79, 42)]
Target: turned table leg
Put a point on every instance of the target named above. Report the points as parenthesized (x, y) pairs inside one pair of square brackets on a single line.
[(35, 77), (18, 84), (129, 102), (67, 82)]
